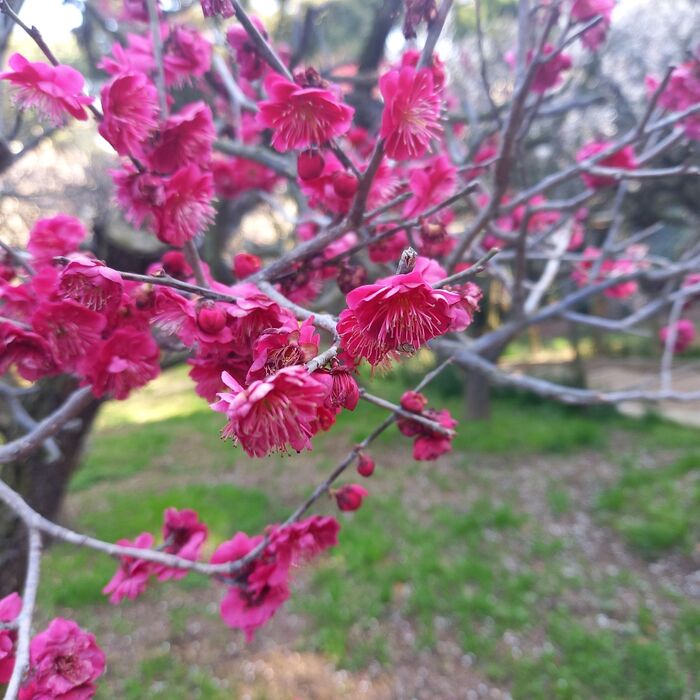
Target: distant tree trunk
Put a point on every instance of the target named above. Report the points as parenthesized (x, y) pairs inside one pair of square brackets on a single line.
[(41, 483), (477, 394)]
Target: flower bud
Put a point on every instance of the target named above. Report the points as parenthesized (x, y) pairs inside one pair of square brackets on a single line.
[(344, 184), (365, 465), (175, 265), (210, 318), (246, 264), (310, 164), (413, 401), (349, 497)]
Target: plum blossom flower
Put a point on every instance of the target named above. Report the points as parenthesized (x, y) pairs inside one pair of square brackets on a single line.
[(184, 535), (186, 137), (127, 360), (57, 235), (681, 93), (685, 335), (53, 90), (623, 158), (28, 351), (585, 10), (10, 607), (130, 113), (272, 413), (232, 176), (396, 314), (411, 116), (186, 210), (430, 185), (345, 392), (65, 662), (245, 265), (609, 269), (281, 347), (71, 330), (131, 578), (429, 444), (365, 465), (91, 283), (302, 117), (250, 62), (217, 8)]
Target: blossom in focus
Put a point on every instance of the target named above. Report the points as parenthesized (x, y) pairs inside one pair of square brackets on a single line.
[(281, 347), (130, 113), (65, 661), (623, 159), (52, 90), (301, 117), (131, 578), (397, 314), (685, 335), (91, 283), (9, 610), (274, 412), (411, 115)]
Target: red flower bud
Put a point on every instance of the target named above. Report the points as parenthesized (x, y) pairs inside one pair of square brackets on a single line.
[(344, 184), (349, 497), (210, 318), (175, 265), (351, 276), (365, 465), (246, 264), (413, 401), (310, 164)]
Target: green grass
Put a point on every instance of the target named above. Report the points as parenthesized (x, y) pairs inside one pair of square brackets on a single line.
[(656, 509)]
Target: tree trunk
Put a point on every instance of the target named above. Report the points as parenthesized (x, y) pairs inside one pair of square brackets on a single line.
[(41, 482), (477, 394)]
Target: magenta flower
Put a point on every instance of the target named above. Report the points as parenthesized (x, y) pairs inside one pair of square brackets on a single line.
[(681, 93), (272, 413), (429, 444), (9, 610), (29, 352), (186, 210), (610, 268), (302, 117), (58, 235), (130, 108), (53, 90), (622, 159), (91, 283), (245, 265), (127, 360), (65, 661), (232, 176), (430, 185), (251, 64), (584, 10), (184, 535), (186, 137), (214, 8), (281, 347), (685, 334), (411, 116), (397, 314), (71, 330), (131, 578)]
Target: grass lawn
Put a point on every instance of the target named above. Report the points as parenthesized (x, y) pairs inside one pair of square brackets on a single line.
[(551, 555)]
